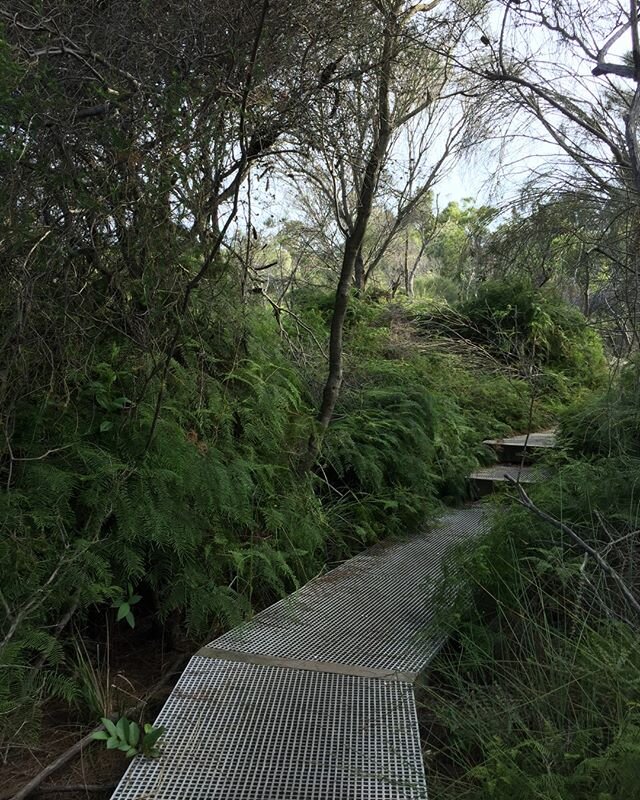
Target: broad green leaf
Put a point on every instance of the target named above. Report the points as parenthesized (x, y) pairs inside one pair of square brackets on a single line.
[(121, 402), (110, 726), (103, 401), (123, 728), (134, 734)]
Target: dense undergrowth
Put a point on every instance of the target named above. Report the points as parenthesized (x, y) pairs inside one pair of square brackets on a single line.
[(192, 517), (538, 693)]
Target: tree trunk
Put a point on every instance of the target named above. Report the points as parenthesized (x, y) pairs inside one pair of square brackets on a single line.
[(353, 242), (407, 278), (360, 278)]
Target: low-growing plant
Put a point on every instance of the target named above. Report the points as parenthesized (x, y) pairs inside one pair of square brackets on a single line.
[(607, 423), (93, 679), (127, 736), (124, 602)]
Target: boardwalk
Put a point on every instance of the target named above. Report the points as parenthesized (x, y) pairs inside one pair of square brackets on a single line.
[(313, 699)]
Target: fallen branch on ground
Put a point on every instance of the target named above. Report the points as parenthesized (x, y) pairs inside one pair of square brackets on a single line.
[(78, 747), (50, 788)]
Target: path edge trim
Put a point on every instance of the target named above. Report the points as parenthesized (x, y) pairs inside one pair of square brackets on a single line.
[(334, 668)]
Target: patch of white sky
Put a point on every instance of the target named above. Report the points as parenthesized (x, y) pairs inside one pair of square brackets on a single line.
[(492, 173), (495, 172)]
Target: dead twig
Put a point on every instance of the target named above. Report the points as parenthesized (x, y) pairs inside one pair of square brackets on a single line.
[(50, 788), (36, 782), (527, 502)]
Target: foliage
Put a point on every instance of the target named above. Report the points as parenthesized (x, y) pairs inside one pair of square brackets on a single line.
[(125, 602), (607, 423), (125, 735), (531, 331), (380, 451), (203, 521), (460, 239), (413, 415), (555, 239), (538, 694), (436, 287)]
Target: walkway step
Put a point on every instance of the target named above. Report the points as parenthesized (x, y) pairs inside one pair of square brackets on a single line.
[(514, 448), (486, 479), (312, 699)]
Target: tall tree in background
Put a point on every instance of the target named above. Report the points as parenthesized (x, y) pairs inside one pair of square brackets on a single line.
[(408, 94)]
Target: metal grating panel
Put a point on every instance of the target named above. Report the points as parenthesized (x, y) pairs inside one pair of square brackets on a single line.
[(247, 732), (543, 439), (369, 612), (500, 471), (238, 730)]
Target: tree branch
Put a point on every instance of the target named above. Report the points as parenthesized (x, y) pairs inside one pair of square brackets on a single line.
[(528, 503)]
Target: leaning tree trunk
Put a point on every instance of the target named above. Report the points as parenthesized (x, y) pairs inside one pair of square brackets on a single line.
[(353, 243), (360, 276)]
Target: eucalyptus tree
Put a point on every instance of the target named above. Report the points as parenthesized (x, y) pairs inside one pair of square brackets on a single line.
[(428, 126), (459, 246), (390, 126)]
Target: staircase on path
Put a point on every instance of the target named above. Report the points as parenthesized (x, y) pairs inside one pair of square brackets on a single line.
[(518, 456), (313, 699)]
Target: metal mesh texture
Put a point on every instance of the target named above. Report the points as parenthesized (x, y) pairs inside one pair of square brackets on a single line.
[(544, 439), (246, 732), (372, 611), (498, 472)]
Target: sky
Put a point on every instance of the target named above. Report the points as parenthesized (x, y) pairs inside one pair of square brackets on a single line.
[(479, 177)]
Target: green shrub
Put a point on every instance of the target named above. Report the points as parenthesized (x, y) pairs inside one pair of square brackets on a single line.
[(380, 450), (527, 329), (607, 423), (436, 287), (538, 693), (204, 521)]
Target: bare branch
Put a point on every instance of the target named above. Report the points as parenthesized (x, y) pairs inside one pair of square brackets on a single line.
[(528, 503)]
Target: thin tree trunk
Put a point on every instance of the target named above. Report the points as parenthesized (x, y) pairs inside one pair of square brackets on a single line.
[(353, 243), (360, 278), (407, 281)]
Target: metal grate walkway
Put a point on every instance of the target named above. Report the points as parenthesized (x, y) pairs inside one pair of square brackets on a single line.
[(542, 439), (312, 699), (506, 472), (370, 612), (247, 732)]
